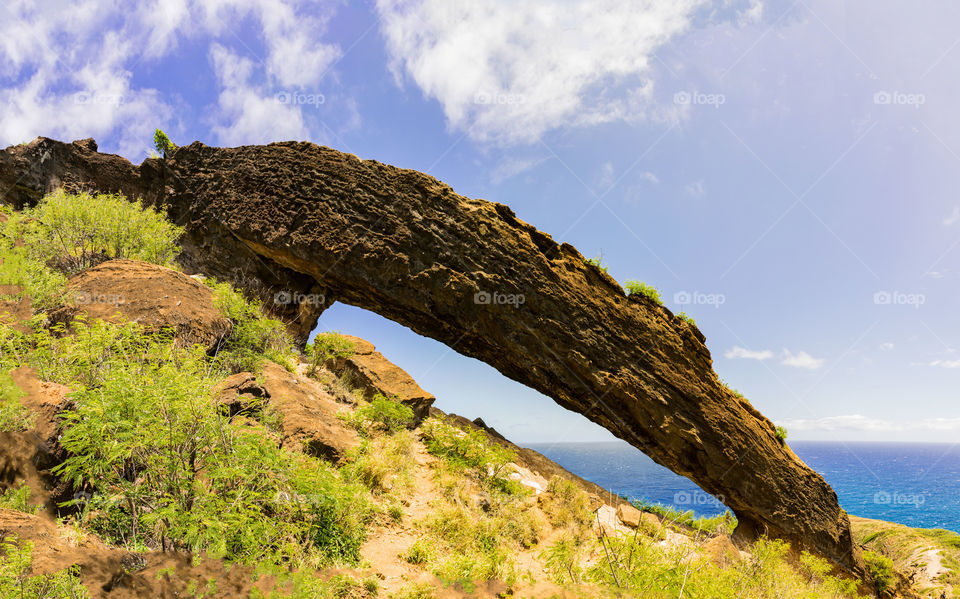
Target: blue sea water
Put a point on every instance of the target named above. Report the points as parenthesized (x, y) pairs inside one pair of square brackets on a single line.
[(910, 483)]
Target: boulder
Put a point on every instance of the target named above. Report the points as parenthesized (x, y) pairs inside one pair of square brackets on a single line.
[(151, 295), (629, 515), (368, 370), (308, 414), (241, 393), (721, 550)]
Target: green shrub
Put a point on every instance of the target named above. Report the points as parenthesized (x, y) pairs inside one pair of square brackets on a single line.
[(881, 569), (306, 584), (45, 286), (16, 581), (653, 570), (781, 434), (598, 262), (382, 464), (416, 590), (71, 232), (563, 558), (468, 449), (382, 414), (733, 390), (13, 350), (686, 318), (570, 507), (254, 337), (421, 552), (13, 415), (328, 346), (162, 143), (641, 288), (18, 498), (167, 469), (724, 523)]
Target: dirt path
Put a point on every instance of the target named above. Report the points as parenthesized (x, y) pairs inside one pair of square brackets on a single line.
[(386, 545)]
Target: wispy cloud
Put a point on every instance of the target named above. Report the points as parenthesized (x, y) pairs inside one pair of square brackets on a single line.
[(695, 189), (953, 218), (797, 360), (888, 346), (859, 422), (946, 363), (742, 353), (801, 360), (648, 176), (845, 422)]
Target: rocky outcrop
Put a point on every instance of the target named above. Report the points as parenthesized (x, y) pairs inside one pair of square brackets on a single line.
[(629, 515), (312, 225), (157, 298), (307, 414), (369, 371)]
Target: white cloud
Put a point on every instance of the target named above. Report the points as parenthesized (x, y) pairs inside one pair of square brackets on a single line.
[(512, 167), (695, 189), (247, 115), (751, 14), (839, 423), (953, 218), (887, 346), (71, 67), (801, 360), (508, 72), (648, 176), (858, 422), (946, 363), (606, 178), (740, 353)]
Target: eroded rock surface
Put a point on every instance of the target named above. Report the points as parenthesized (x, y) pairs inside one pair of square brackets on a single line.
[(157, 298), (368, 370), (316, 225)]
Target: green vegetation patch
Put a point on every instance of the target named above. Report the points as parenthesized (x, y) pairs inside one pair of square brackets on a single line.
[(328, 346), (16, 581), (254, 337), (167, 469), (641, 288), (723, 523)]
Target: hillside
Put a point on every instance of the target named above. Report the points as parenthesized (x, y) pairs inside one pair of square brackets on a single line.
[(300, 221), (163, 436)]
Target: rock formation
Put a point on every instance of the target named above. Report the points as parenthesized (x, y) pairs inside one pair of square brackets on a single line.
[(308, 225), (369, 371), (154, 296)]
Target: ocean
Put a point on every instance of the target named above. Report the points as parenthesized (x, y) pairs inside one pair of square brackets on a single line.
[(911, 483)]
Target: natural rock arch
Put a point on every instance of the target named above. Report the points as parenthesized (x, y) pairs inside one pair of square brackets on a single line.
[(318, 225)]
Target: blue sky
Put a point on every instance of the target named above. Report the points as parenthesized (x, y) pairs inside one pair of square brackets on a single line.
[(785, 172)]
